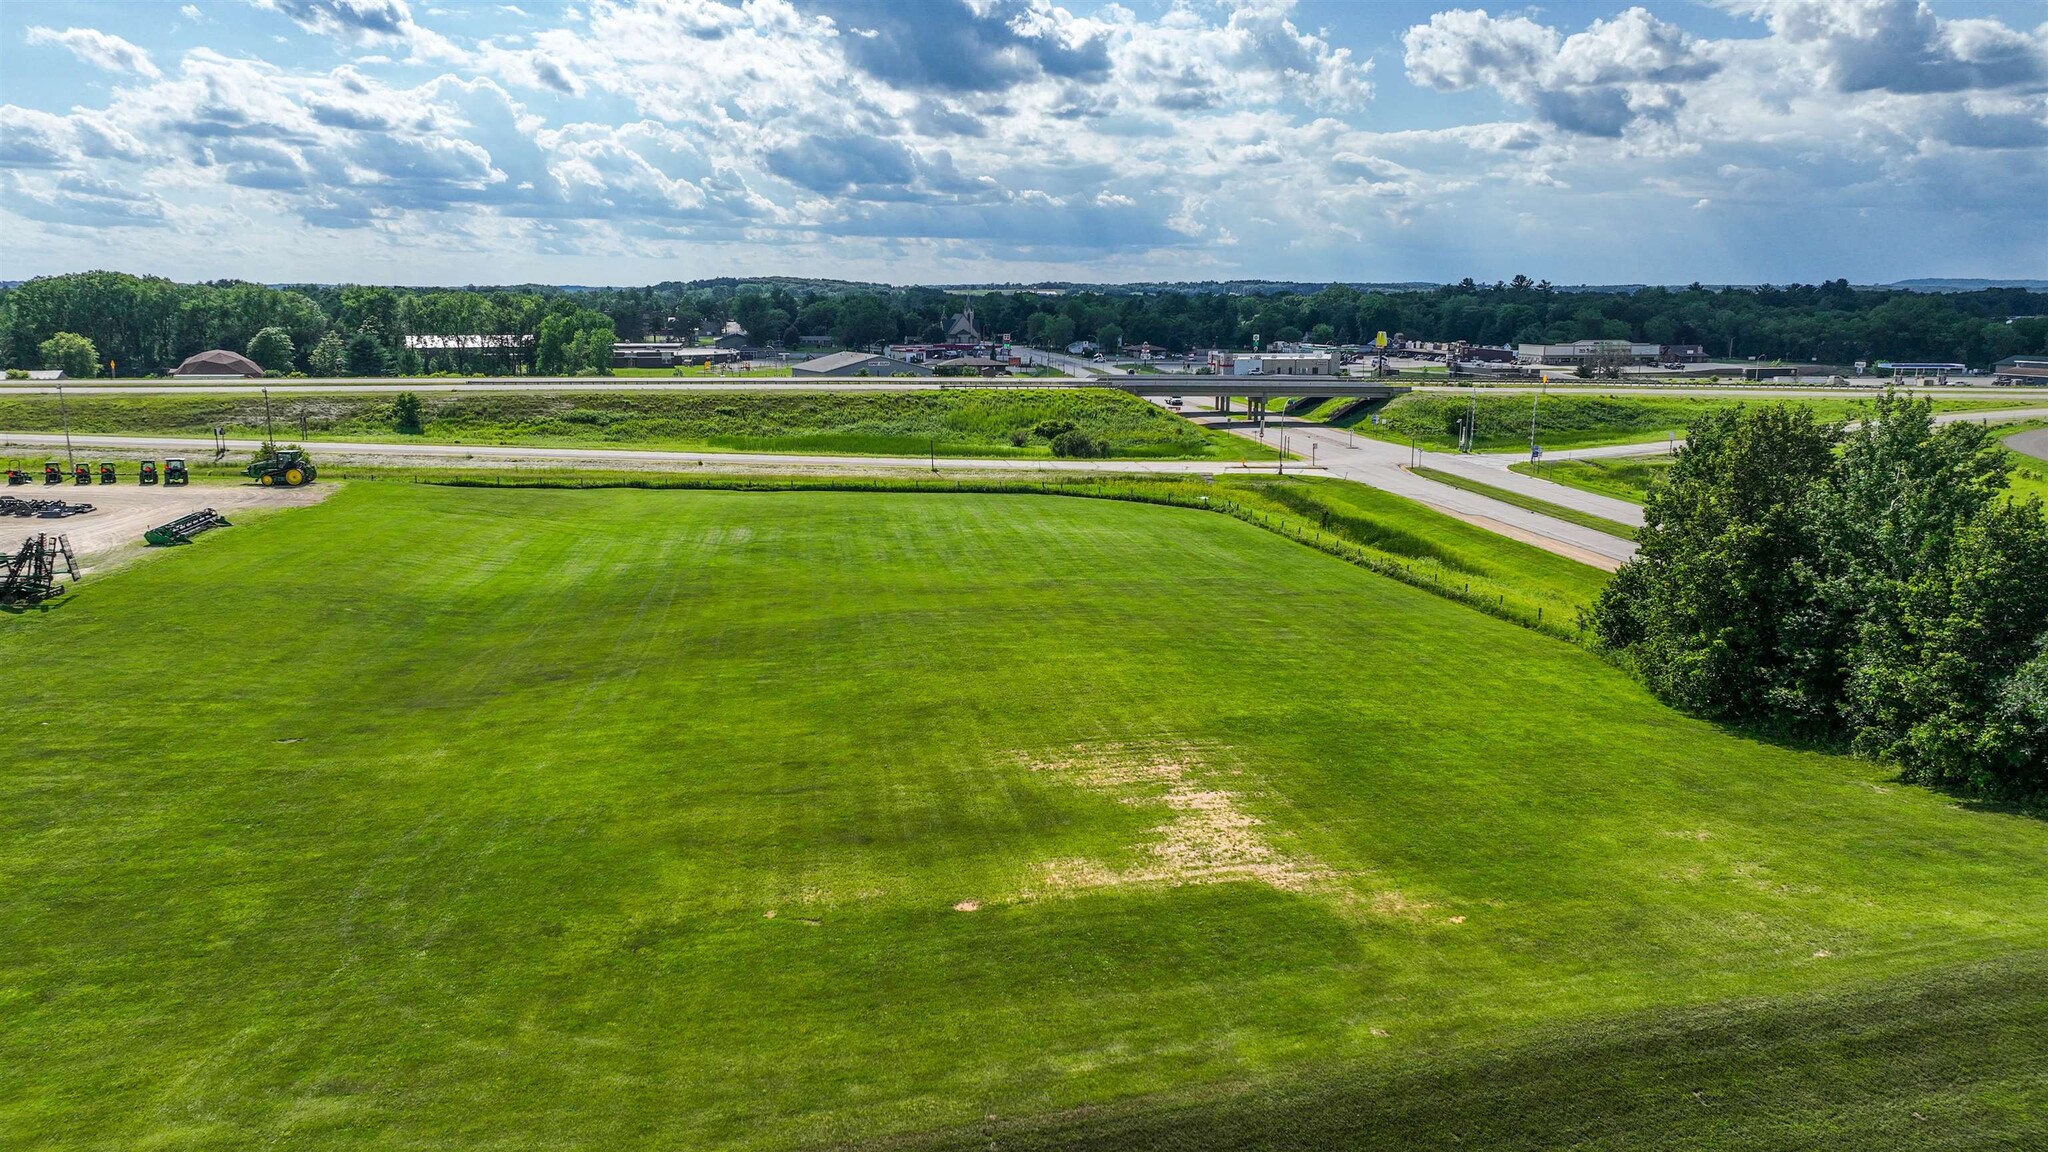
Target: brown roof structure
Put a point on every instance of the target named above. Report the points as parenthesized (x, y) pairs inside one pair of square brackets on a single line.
[(219, 362)]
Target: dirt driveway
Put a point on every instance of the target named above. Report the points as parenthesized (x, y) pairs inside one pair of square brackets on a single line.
[(122, 512)]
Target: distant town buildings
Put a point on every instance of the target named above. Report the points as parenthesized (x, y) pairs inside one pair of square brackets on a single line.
[(961, 329), (668, 354), (1329, 363), (2021, 370), (1608, 351), (859, 364)]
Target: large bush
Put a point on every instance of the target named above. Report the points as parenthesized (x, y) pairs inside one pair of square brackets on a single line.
[(1872, 586)]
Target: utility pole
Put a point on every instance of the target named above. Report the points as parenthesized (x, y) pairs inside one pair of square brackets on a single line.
[(269, 437), (66, 410), (1533, 404)]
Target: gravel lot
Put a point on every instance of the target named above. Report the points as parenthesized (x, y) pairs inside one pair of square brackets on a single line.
[(112, 531)]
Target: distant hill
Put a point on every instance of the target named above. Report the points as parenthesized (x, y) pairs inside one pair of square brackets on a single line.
[(1936, 284)]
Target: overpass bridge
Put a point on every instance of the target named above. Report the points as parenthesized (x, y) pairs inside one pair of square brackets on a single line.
[(1257, 389)]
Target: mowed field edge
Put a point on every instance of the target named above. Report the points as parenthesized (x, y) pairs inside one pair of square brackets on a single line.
[(435, 816)]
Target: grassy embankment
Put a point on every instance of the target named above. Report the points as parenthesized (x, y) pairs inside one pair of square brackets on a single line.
[(1529, 503), (1630, 477), (675, 819), (1432, 419), (1622, 477), (960, 422)]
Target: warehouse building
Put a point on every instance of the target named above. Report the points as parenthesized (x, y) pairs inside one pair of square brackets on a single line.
[(859, 364)]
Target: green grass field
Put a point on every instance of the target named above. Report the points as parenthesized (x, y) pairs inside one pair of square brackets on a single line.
[(955, 422), (1622, 477), (1432, 419), (1531, 503), (438, 817)]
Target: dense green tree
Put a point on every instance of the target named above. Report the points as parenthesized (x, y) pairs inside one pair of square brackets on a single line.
[(578, 341), (271, 348), (367, 355), (328, 357), (406, 412), (1715, 609), (1872, 586), (71, 354)]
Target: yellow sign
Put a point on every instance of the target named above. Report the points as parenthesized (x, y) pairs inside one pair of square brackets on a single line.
[(1380, 341)]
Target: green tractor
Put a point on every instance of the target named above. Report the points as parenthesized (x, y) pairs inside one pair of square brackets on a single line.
[(283, 468), (174, 472)]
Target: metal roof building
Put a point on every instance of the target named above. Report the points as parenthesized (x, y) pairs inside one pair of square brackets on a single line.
[(218, 362)]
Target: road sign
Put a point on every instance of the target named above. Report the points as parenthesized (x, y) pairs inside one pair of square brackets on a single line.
[(1380, 341), (1535, 452)]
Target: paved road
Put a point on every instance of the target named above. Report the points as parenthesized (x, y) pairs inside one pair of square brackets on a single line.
[(1378, 464), (2034, 443), (447, 454)]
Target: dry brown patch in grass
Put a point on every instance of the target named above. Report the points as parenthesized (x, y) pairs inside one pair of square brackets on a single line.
[(1208, 838)]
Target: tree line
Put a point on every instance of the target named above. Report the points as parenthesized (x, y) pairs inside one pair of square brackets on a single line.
[(1870, 586), (146, 325)]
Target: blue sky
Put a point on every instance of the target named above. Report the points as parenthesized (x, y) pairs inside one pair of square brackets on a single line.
[(630, 141)]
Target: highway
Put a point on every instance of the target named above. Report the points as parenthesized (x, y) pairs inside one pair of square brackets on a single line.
[(1333, 452)]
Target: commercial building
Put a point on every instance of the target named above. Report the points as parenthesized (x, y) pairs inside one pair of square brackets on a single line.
[(1608, 351), (1277, 363), (2021, 370), (667, 354), (859, 364)]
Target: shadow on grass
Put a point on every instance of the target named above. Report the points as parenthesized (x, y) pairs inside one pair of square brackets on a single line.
[(1946, 1058)]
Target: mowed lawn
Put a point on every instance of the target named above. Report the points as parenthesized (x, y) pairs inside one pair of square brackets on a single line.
[(435, 818)]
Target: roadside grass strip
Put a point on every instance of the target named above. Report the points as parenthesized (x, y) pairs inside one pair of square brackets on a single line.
[(1527, 503)]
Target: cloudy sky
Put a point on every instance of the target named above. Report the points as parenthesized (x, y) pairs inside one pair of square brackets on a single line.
[(629, 141)]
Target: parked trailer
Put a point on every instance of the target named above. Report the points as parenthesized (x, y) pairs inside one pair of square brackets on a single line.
[(184, 528), (30, 575)]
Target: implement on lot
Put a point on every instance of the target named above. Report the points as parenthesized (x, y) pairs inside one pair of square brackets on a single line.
[(184, 528), (30, 575), (48, 509)]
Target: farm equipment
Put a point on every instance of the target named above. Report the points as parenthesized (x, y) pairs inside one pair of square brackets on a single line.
[(17, 476), (184, 528), (106, 472), (53, 472), (283, 468), (146, 474), (30, 575), (174, 471), (47, 509), (81, 473)]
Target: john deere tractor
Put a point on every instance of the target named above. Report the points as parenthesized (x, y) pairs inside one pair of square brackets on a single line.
[(282, 468)]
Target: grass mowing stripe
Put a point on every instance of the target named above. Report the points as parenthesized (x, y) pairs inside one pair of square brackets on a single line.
[(1387, 534), (439, 817), (1953, 1058), (1528, 503)]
